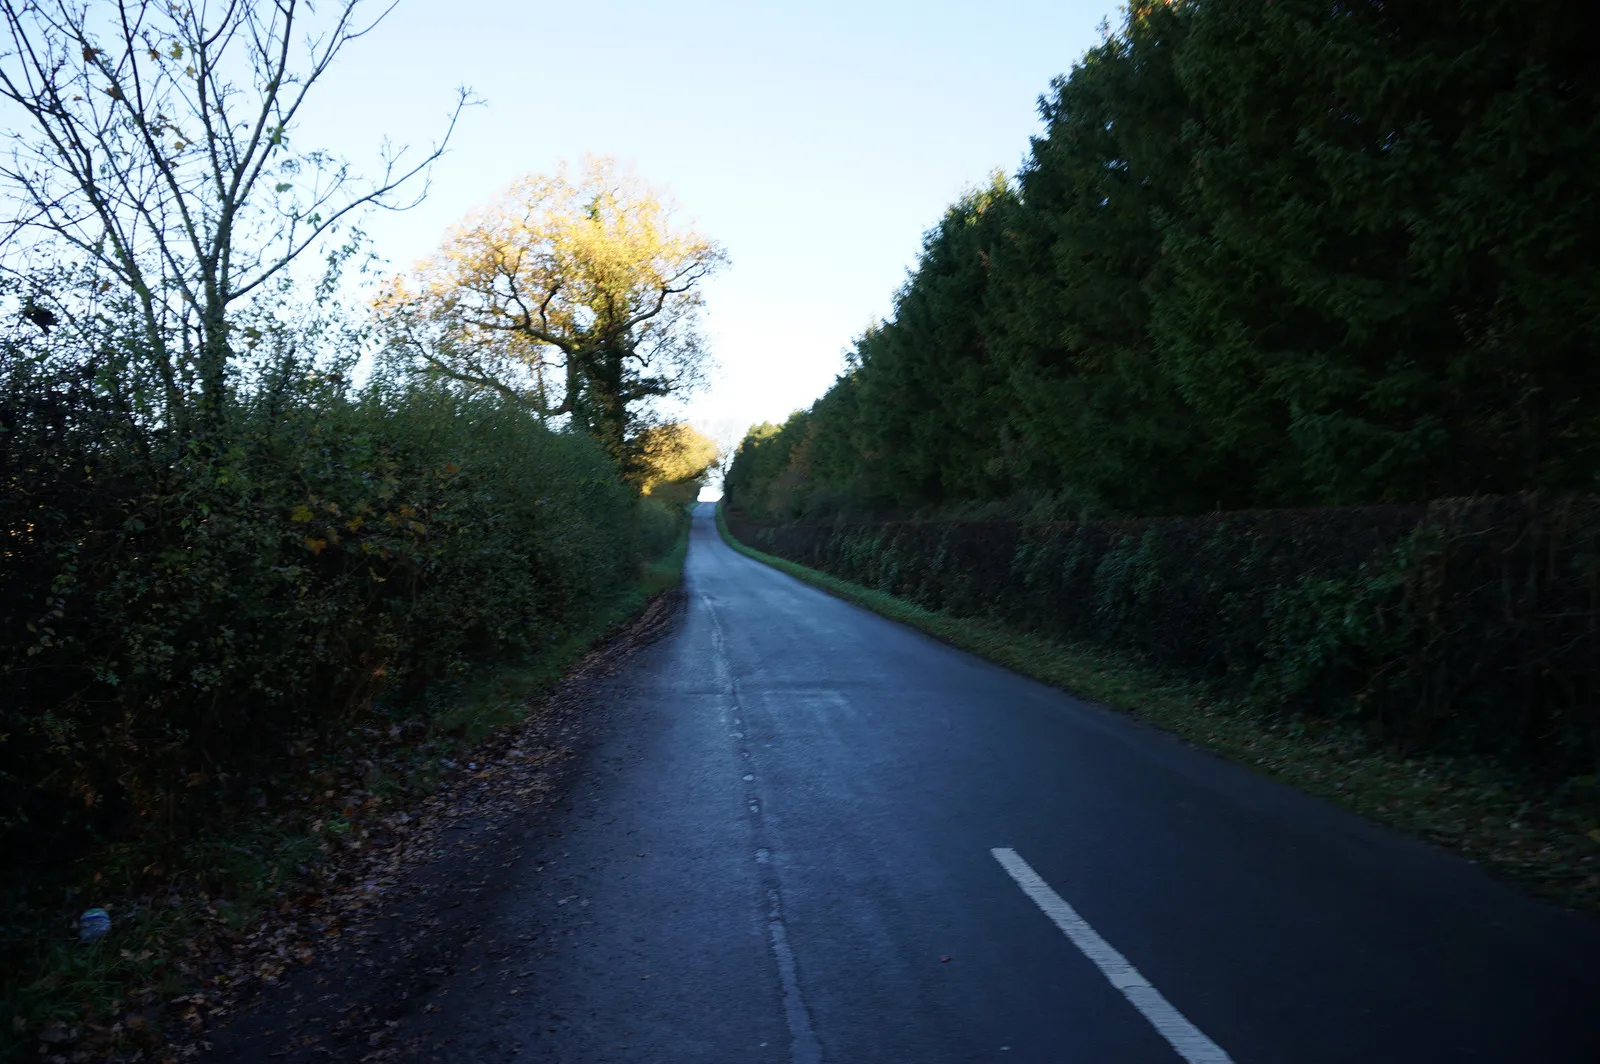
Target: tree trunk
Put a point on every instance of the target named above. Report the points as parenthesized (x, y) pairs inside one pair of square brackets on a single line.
[(213, 363)]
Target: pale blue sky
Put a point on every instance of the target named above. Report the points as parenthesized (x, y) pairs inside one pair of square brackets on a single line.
[(815, 141)]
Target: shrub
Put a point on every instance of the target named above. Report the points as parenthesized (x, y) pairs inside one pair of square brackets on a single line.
[(1468, 625), (175, 612)]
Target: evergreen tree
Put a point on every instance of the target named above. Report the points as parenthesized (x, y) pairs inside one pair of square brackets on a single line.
[(1263, 254)]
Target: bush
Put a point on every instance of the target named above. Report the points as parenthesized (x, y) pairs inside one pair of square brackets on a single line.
[(177, 611), (1467, 625)]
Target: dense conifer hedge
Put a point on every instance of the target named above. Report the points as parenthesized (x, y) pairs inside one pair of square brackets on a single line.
[(1292, 269), (1263, 255)]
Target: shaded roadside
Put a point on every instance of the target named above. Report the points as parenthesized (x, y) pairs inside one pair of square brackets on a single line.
[(362, 959)]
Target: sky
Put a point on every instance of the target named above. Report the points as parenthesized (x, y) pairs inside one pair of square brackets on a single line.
[(816, 142)]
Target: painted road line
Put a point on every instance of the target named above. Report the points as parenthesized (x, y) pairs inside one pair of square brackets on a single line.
[(1185, 1037), (803, 1047)]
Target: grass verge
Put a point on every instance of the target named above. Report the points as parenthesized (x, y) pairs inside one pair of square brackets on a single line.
[(1548, 842), (173, 911)]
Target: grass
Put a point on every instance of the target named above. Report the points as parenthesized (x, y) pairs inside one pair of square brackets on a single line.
[(111, 993), (1548, 842)]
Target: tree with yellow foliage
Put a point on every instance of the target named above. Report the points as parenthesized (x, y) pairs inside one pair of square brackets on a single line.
[(673, 461), (577, 296)]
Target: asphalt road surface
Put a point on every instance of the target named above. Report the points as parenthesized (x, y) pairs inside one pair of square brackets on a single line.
[(812, 835)]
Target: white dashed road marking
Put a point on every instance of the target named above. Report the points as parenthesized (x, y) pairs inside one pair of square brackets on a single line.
[(1192, 1045)]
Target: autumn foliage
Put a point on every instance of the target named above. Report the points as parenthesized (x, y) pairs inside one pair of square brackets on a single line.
[(577, 295)]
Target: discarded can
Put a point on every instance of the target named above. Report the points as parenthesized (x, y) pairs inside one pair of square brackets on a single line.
[(93, 925)]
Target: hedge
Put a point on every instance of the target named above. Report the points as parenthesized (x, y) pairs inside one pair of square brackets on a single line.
[(1465, 625)]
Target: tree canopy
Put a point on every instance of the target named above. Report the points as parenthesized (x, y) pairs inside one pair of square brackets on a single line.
[(1261, 255), (674, 460), (578, 296)]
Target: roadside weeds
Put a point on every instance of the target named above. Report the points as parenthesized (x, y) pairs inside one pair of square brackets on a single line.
[(1547, 842)]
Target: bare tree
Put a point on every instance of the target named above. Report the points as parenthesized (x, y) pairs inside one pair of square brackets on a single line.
[(151, 139)]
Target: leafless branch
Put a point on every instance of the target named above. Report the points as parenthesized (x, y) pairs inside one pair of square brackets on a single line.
[(154, 143)]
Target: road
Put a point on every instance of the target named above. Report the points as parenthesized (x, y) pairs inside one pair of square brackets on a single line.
[(811, 835)]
